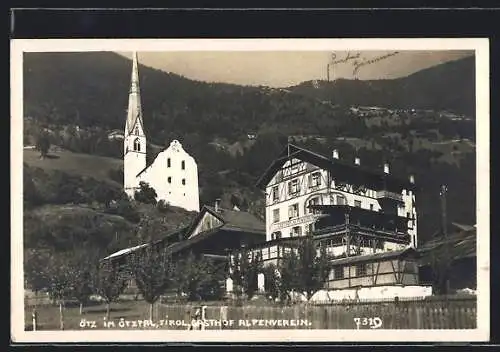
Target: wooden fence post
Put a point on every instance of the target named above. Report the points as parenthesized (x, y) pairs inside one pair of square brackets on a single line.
[(34, 317)]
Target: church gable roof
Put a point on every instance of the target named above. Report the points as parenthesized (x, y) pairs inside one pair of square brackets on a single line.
[(174, 145)]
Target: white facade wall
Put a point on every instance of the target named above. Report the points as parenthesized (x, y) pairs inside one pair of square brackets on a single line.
[(327, 193), (327, 196), (285, 200), (176, 185)]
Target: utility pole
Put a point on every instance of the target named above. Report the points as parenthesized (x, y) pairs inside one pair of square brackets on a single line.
[(444, 226), (444, 231)]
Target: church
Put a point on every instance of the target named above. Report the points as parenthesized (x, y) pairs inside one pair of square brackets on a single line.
[(173, 174)]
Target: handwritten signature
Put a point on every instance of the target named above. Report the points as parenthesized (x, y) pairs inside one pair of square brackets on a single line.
[(358, 61)]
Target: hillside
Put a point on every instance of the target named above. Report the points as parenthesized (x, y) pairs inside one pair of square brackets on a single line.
[(449, 86), (95, 166)]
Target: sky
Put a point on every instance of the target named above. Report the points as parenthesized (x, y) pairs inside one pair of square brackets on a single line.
[(287, 68)]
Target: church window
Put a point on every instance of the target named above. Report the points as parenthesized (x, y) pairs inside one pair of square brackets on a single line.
[(183, 165), (137, 145), (137, 131), (168, 162), (184, 181), (169, 179)]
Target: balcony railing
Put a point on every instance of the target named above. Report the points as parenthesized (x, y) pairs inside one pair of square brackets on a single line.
[(389, 195)]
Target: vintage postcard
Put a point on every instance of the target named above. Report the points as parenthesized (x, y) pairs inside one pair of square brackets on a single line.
[(254, 190)]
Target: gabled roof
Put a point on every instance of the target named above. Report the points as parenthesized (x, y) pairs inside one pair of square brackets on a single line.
[(180, 231), (236, 220), (461, 244), (408, 252), (351, 173), (125, 251)]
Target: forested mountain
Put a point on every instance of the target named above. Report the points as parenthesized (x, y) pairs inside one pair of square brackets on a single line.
[(449, 86), (80, 97)]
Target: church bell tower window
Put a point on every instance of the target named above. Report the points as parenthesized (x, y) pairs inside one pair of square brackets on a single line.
[(137, 145)]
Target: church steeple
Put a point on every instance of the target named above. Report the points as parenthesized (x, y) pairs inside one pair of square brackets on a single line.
[(134, 112), (134, 143)]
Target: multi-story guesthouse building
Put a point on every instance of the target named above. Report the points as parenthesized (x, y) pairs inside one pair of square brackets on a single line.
[(173, 173), (365, 220)]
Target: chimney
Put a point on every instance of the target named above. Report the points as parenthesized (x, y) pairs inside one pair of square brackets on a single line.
[(412, 179), (386, 168), (335, 154), (357, 161), (217, 204)]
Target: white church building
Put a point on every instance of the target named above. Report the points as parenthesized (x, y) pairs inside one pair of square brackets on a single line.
[(173, 174)]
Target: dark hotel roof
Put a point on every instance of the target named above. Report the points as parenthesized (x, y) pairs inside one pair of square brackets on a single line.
[(342, 170)]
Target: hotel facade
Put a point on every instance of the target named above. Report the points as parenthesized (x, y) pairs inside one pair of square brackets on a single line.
[(364, 219)]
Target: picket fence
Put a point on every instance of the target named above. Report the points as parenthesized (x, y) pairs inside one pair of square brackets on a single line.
[(435, 313)]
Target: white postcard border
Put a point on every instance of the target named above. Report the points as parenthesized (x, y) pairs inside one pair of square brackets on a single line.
[(479, 45)]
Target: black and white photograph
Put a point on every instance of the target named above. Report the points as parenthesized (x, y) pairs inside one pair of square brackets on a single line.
[(250, 190)]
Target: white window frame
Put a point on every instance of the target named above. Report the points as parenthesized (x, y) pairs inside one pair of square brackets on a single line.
[(275, 194), (293, 187), (293, 211), (276, 218)]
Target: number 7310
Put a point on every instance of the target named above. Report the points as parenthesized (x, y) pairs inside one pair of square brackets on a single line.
[(373, 323)]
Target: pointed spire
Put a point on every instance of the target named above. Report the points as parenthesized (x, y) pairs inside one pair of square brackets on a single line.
[(134, 111)]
